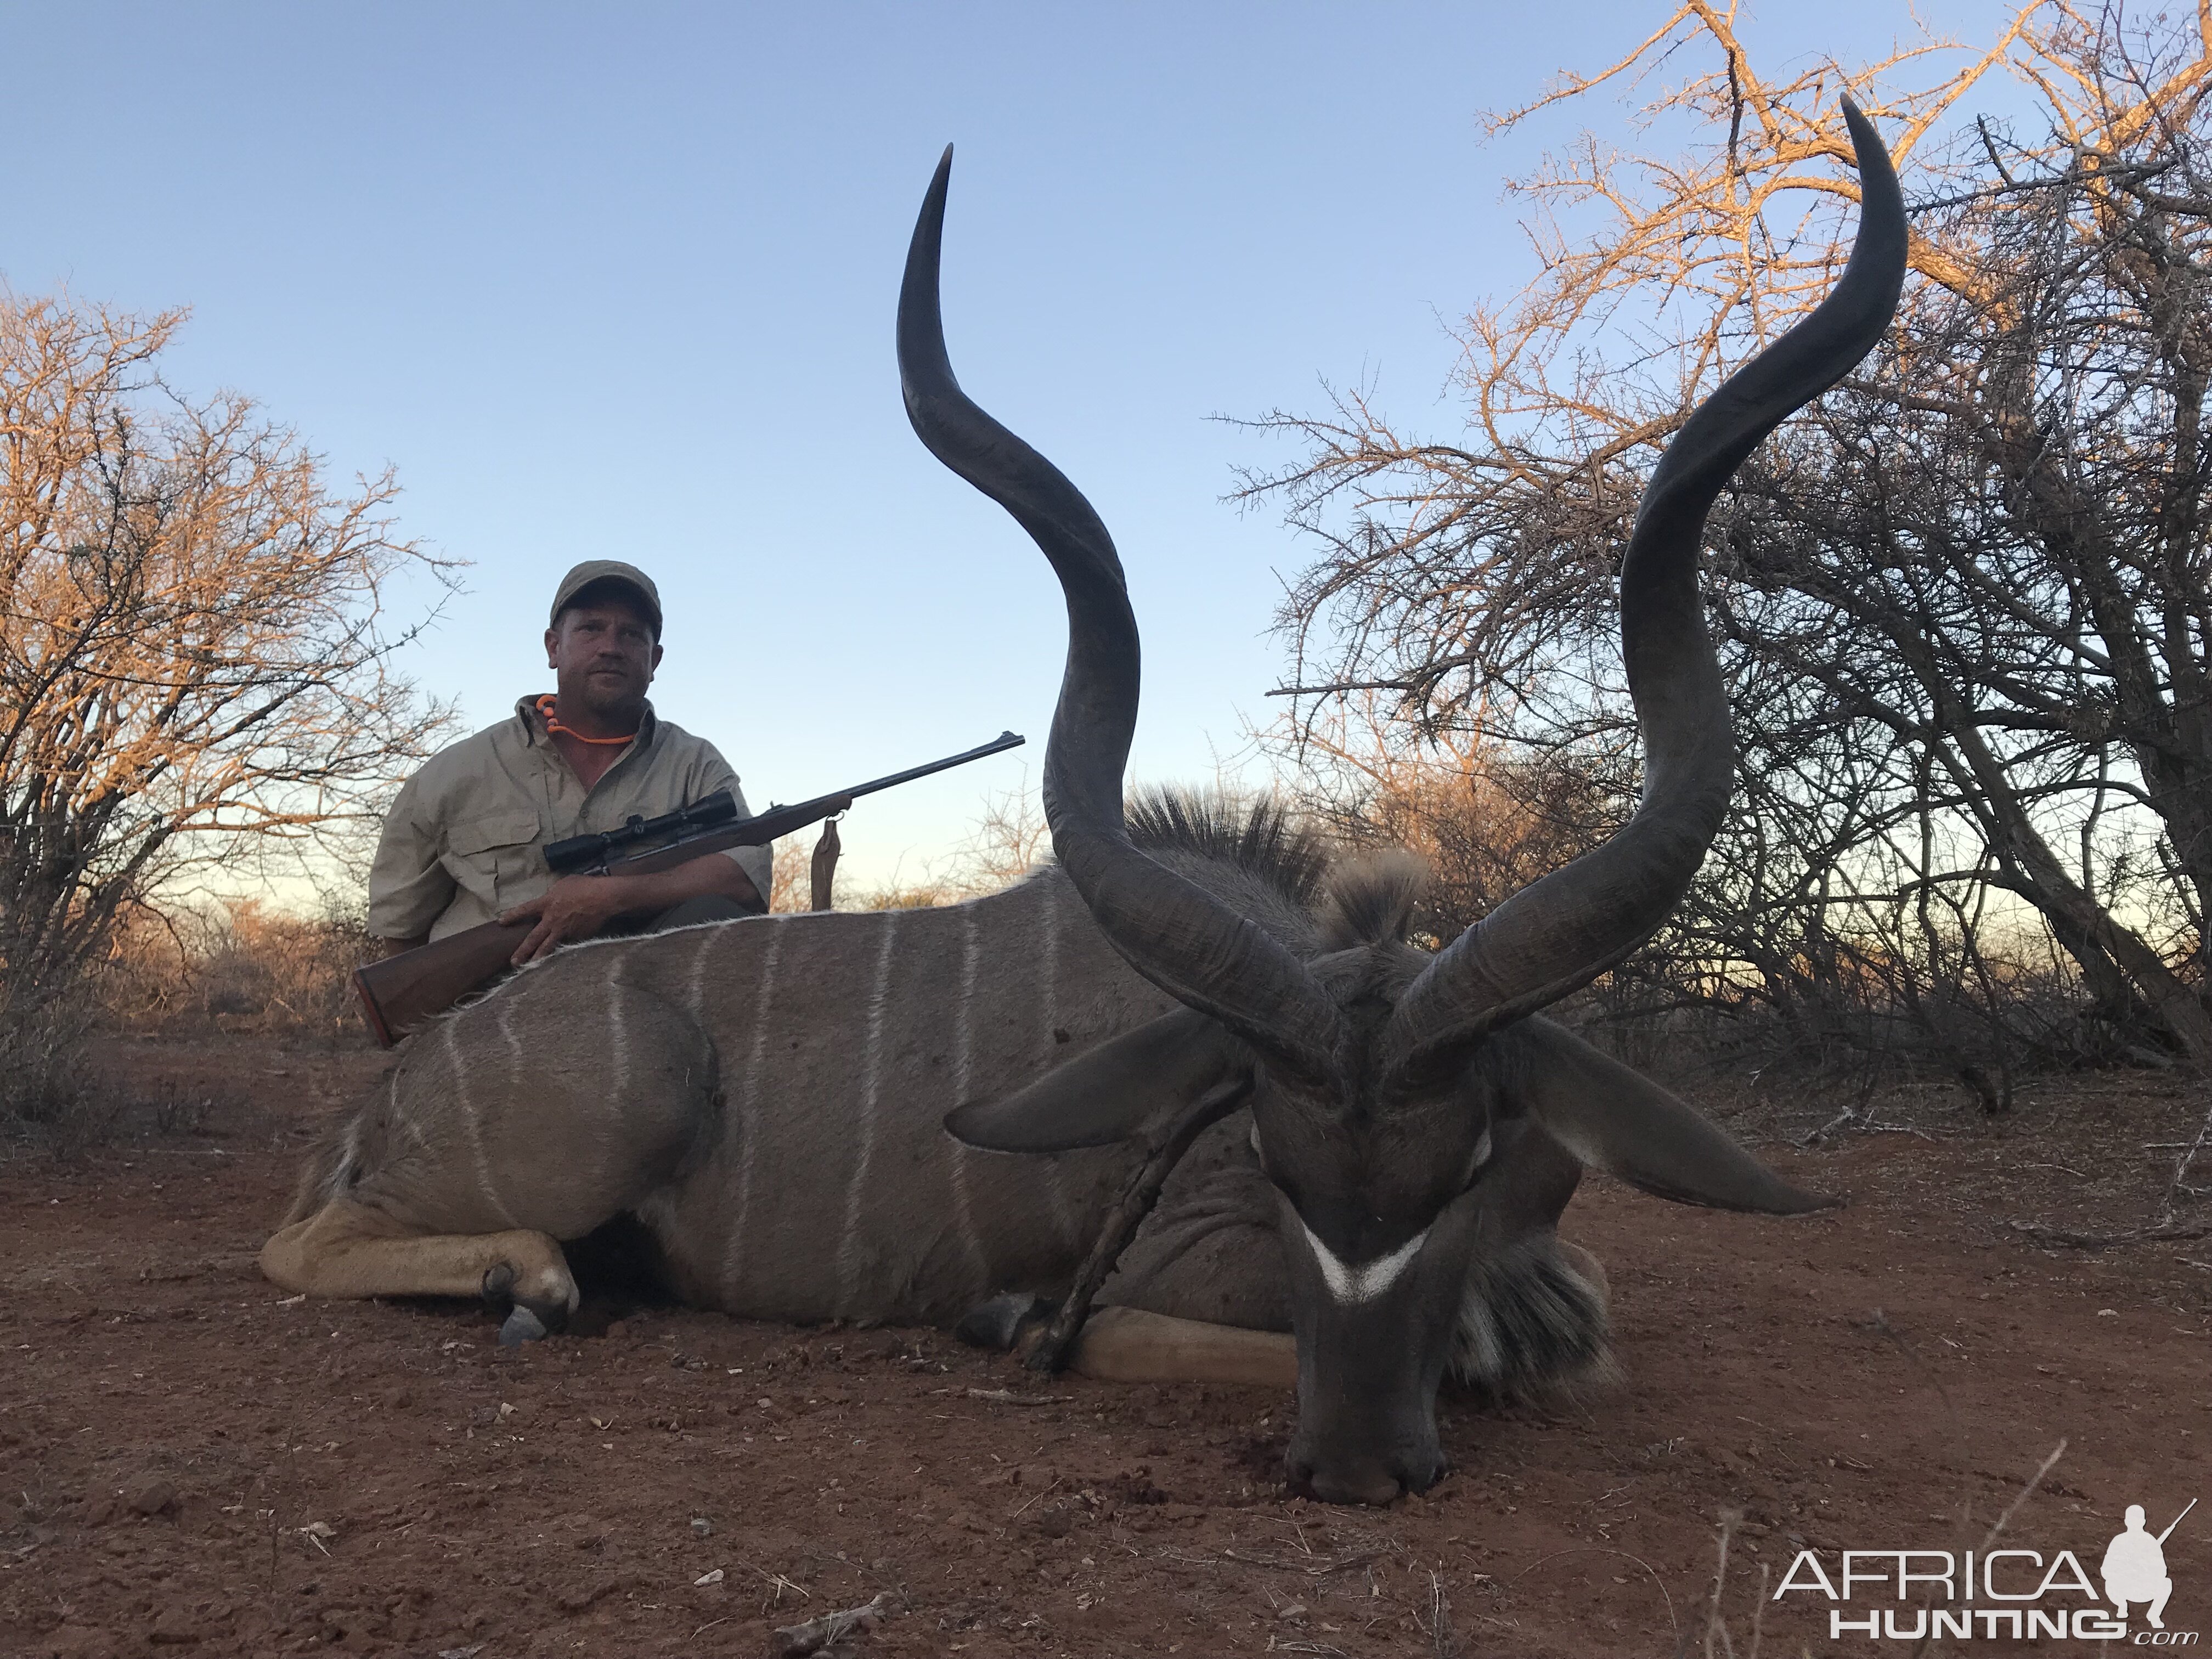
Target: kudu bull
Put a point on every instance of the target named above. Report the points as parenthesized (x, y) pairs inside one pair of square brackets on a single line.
[(766, 1096)]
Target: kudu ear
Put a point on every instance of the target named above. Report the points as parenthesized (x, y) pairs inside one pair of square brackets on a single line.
[(1109, 1093), (1615, 1119)]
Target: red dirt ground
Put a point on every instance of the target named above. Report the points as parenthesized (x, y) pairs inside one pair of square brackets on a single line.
[(192, 1463)]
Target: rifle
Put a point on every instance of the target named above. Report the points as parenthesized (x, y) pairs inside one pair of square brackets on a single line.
[(399, 992)]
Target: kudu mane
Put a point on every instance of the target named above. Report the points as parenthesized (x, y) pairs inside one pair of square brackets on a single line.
[(1257, 838), (1365, 899)]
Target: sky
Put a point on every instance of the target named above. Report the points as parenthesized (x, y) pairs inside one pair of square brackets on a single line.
[(619, 282)]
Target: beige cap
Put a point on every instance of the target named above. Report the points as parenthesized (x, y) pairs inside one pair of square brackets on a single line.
[(601, 570)]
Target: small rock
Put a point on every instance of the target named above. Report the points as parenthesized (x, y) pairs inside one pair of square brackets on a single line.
[(1056, 1522), (151, 1497), (522, 1326), (173, 1629), (701, 1526), (577, 1598), (322, 1530), (1291, 1610), (706, 1579)]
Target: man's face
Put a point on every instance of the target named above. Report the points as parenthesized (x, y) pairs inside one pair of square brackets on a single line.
[(602, 655)]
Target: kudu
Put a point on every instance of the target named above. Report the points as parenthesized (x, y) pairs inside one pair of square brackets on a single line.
[(769, 1097)]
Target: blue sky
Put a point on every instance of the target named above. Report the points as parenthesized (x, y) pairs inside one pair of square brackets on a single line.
[(619, 281)]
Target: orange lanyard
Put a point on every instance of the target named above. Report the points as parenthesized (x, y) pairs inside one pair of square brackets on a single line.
[(550, 700)]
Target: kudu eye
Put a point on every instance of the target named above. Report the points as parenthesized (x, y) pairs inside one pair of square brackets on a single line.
[(1480, 1158)]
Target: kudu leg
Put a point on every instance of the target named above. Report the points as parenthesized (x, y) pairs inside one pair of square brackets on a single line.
[(1055, 1348), (1133, 1345), (348, 1249)]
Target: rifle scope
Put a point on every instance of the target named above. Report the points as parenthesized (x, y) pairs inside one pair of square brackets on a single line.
[(584, 852)]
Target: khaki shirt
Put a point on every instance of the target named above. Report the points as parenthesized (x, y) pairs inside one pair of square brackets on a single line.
[(465, 839)]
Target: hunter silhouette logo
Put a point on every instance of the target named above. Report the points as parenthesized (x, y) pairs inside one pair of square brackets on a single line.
[(2016, 1595), (2135, 1566)]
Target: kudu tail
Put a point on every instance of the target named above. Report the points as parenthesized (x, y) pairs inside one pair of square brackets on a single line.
[(330, 1170)]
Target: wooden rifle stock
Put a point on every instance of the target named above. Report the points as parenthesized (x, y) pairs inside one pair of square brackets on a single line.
[(401, 992)]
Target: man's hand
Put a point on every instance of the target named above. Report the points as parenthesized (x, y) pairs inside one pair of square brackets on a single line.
[(578, 907), (574, 907)]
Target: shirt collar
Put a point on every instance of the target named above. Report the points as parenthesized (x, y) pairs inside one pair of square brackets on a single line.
[(534, 733)]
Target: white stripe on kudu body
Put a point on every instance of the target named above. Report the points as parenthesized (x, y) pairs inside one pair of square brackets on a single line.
[(748, 1103), (694, 984), (963, 1036), (514, 1042), (1048, 978), (871, 1084), (618, 1050), (459, 1073)]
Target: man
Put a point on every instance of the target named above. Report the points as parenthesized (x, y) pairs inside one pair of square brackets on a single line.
[(465, 843), (2135, 1568)]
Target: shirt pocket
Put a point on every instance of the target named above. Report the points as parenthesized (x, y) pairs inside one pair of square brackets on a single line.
[(495, 857)]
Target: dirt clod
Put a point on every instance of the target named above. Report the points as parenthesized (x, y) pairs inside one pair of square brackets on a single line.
[(150, 1497)]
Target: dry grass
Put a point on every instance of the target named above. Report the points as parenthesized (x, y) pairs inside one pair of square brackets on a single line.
[(244, 967)]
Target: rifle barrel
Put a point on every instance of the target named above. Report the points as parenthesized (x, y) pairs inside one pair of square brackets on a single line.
[(999, 744), (2177, 1520)]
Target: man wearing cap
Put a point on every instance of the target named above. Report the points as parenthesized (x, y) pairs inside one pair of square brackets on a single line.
[(464, 842)]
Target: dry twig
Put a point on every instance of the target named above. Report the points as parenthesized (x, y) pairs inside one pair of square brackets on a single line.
[(797, 1641), (1008, 1397), (1311, 1569), (1058, 1342), (2080, 1241)]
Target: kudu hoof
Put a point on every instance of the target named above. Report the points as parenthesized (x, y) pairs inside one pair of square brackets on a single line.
[(527, 1318), (1000, 1323)]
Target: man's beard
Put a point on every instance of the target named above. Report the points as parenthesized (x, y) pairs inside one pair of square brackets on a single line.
[(621, 702)]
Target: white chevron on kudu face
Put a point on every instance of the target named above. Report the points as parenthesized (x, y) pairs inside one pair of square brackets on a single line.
[(1351, 1284)]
